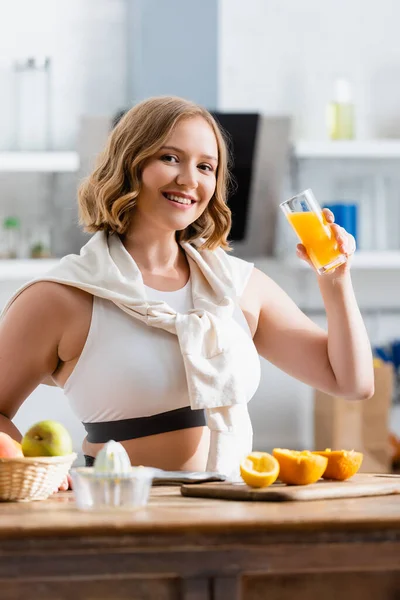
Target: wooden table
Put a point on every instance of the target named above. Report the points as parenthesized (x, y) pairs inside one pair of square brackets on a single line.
[(198, 549)]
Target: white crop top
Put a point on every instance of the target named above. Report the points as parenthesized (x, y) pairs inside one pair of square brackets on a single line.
[(130, 370)]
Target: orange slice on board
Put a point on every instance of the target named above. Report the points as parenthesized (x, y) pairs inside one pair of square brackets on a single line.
[(259, 469), (299, 467), (342, 464)]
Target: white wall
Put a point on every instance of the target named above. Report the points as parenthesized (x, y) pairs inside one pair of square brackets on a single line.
[(282, 57), (86, 41)]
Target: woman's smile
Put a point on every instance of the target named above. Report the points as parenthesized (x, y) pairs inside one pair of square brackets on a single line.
[(179, 200)]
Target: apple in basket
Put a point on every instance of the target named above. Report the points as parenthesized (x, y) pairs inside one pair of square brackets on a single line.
[(47, 438), (35, 469)]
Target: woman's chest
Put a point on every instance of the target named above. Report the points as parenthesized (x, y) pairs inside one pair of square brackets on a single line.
[(118, 353), (128, 369)]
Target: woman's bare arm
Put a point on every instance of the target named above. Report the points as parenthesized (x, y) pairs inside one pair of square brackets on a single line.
[(7, 426), (30, 333), (338, 362)]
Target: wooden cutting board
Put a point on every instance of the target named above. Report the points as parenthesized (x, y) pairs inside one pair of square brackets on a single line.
[(358, 485)]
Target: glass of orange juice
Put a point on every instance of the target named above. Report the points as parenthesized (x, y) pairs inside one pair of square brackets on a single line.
[(307, 219)]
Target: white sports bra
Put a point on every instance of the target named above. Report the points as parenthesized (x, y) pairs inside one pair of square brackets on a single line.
[(128, 370)]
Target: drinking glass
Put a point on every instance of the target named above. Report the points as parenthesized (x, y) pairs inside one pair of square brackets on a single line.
[(307, 219)]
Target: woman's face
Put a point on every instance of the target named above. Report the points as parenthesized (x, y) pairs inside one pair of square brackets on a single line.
[(179, 181)]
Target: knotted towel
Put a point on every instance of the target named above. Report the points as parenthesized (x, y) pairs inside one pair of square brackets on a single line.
[(209, 337)]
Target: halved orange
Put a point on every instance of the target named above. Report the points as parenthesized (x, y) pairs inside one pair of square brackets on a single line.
[(299, 467), (259, 469), (342, 464)]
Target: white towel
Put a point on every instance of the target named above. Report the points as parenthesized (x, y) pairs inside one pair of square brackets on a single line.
[(209, 337)]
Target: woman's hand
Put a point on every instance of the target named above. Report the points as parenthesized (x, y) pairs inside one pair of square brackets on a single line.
[(66, 484), (345, 241)]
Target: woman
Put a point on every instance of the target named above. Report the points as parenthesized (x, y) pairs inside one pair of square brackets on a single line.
[(154, 331)]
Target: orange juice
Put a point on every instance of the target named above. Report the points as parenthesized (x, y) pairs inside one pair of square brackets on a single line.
[(318, 240)]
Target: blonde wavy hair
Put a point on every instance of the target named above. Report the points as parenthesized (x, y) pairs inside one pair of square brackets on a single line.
[(108, 196)]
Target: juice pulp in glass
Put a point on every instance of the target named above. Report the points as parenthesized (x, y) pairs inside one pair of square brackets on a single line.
[(317, 238)]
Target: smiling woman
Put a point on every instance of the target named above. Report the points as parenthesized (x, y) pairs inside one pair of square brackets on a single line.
[(154, 331), (162, 131)]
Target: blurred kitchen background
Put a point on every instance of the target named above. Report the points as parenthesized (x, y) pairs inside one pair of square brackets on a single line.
[(309, 92)]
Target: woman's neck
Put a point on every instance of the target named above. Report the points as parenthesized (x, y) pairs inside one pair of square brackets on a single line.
[(160, 258), (151, 247)]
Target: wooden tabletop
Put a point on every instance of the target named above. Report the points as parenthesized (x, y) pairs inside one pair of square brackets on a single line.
[(169, 512)]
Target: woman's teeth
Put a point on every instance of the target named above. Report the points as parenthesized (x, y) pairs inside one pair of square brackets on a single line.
[(178, 199)]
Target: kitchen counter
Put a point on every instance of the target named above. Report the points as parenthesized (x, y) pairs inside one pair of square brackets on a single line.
[(193, 548)]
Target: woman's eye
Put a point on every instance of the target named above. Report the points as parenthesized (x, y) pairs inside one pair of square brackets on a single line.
[(169, 158), (206, 167)]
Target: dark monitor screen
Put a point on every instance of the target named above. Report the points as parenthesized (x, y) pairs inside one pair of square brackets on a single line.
[(242, 131)]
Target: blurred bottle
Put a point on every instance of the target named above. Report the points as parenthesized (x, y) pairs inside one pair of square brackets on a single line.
[(340, 112), (32, 85), (10, 238)]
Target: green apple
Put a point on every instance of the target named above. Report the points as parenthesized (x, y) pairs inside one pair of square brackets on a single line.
[(47, 438)]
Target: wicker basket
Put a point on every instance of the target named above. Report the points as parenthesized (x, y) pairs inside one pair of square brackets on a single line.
[(25, 479)]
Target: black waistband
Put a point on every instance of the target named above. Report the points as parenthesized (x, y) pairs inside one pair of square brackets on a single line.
[(129, 429)]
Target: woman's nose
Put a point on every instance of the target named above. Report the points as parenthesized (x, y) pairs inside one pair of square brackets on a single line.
[(187, 177)]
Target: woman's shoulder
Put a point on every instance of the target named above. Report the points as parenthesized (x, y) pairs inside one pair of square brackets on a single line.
[(232, 271), (241, 271), (43, 298)]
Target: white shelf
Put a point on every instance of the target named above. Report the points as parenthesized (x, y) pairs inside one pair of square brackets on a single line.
[(361, 260), (377, 260), (372, 149), (42, 162)]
